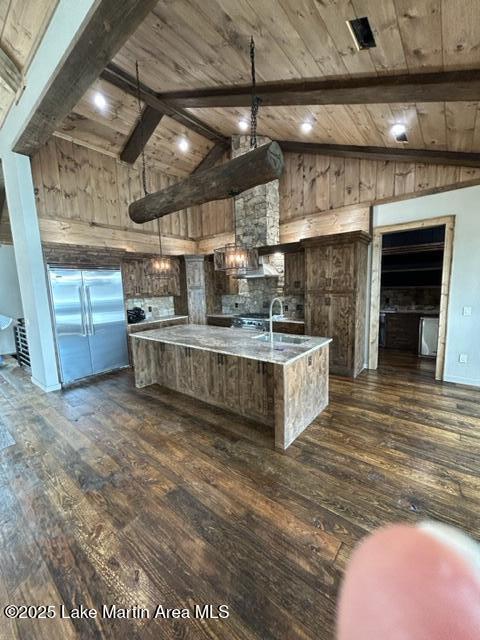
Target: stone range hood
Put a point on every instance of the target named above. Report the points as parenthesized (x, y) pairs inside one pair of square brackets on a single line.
[(257, 214)]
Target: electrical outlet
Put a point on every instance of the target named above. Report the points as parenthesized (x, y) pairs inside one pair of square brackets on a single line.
[(463, 358), (467, 311)]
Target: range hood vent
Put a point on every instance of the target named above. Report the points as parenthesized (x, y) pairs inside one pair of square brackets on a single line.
[(265, 270)]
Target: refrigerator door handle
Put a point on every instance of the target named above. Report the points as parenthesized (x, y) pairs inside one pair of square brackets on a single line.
[(83, 312), (89, 311)]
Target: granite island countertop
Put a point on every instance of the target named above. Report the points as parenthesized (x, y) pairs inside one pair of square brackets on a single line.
[(235, 342)]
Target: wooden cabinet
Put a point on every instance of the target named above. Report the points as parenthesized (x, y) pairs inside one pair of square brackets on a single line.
[(297, 328), (335, 300), (256, 392), (220, 321), (331, 268), (295, 273), (401, 331)]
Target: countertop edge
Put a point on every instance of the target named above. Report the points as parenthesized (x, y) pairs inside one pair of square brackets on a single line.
[(325, 342)]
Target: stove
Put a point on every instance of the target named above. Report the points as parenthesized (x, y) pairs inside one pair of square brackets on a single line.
[(258, 321)]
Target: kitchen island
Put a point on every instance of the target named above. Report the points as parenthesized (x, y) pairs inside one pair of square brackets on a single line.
[(284, 384)]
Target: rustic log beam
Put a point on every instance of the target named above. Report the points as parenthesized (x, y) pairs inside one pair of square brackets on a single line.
[(429, 156), (217, 183), (211, 159), (141, 134), (9, 72), (116, 76), (107, 29), (443, 86)]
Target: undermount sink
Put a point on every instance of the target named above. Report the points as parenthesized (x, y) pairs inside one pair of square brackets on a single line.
[(265, 337)]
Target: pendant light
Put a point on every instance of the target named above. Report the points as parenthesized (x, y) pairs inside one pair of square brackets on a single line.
[(236, 258), (158, 266)]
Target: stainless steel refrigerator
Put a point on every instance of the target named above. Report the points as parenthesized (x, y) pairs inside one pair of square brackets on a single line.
[(90, 323)]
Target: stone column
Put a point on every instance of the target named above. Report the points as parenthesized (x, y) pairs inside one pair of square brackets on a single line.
[(257, 211)]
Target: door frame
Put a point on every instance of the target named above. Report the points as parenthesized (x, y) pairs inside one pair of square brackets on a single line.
[(375, 285)]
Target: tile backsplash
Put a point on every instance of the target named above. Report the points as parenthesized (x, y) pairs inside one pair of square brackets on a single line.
[(160, 307)]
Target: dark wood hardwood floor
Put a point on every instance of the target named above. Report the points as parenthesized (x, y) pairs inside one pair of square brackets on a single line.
[(111, 495)]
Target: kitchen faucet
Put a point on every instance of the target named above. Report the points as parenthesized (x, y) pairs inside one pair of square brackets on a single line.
[(270, 315)]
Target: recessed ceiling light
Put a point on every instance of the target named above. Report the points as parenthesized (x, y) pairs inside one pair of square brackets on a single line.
[(183, 145), (243, 124), (99, 100), (306, 126), (399, 132), (362, 33)]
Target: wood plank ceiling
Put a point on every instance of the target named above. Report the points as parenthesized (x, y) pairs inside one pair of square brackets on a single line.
[(192, 44), (22, 25)]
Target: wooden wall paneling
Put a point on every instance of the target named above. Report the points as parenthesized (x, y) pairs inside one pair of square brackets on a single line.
[(404, 178), (123, 189), (68, 178), (78, 232), (447, 175), (326, 223), (285, 189), (297, 181), (84, 184), (385, 179), (309, 183), (368, 180), (37, 184), (425, 176), (469, 173), (352, 181), (98, 190), (460, 119), (109, 180), (337, 183), (52, 192), (323, 183)]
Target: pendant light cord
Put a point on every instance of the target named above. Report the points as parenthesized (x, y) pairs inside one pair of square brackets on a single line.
[(255, 99), (142, 132)]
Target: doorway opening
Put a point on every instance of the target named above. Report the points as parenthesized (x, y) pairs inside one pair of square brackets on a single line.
[(411, 266)]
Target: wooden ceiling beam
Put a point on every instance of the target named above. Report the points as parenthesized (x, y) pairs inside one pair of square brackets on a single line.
[(460, 158), (443, 86), (141, 134), (9, 72), (108, 28), (213, 156), (116, 76)]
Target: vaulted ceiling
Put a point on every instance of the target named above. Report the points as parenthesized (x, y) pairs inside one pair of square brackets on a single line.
[(22, 25), (195, 44)]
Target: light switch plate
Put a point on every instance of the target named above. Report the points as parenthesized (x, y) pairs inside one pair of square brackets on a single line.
[(467, 311), (463, 358)]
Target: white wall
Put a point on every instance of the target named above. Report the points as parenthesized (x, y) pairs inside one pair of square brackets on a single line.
[(463, 333), (10, 302)]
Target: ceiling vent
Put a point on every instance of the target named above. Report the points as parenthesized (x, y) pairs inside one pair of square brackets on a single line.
[(362, 33)]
